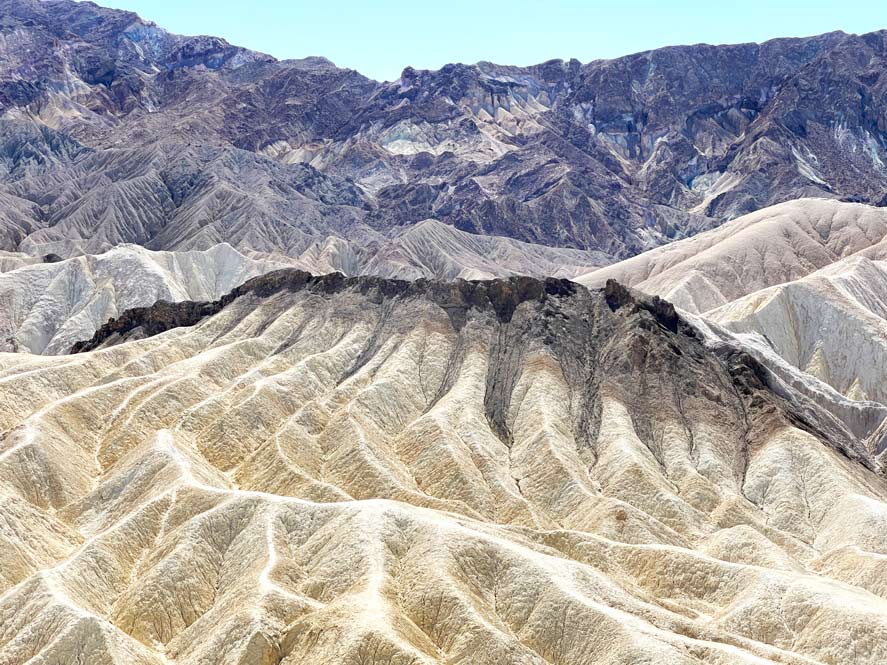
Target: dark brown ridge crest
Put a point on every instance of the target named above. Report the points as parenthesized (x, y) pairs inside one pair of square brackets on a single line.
[(457, 296)]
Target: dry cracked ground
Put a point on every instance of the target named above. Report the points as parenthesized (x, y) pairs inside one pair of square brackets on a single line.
[(326, 470)]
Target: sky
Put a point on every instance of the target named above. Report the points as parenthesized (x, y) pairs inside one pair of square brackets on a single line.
[(380, 38)]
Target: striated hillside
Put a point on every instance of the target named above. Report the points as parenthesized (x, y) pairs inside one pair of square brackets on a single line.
[(47, 305), (435, 250), (432, 249), (335, 470), (831, 324), (113, 130), (801, 284), (774, 245)]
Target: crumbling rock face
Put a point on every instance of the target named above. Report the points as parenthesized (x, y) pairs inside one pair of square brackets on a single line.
[(328, 470), (618, 295), (142, 322), (455, 298), (802, 286)]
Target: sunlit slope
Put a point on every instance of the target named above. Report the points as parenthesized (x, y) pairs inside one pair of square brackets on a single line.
[(771, 246), (46, 307), (831, 324)]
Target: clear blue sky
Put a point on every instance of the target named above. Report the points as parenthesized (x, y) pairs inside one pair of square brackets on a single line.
[(380, 38)]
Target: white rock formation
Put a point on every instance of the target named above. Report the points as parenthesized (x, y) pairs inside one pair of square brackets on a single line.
[(12, 260), (46, 307), (433, 249), (831, 324)]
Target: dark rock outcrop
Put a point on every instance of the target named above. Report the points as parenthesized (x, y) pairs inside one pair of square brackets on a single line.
[(639, 343), (456, 297), (141, 322)]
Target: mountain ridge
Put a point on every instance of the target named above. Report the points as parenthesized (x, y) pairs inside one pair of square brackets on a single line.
[(503, 295), (770, 246), (457, 298), (615, 156)]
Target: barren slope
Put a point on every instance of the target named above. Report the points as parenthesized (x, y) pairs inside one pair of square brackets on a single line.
[(368, 471), (47, 306), (804, 279), (434, 250), (831, 324), (771, 246)]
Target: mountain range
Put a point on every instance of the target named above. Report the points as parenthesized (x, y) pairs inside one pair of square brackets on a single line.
[(113, 131)]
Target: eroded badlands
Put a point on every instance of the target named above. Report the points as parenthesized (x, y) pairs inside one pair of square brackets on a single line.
[(378, 472)]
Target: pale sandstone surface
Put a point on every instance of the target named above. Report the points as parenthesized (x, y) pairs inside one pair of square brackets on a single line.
[(434, 250), (369, 471), (831, 324)]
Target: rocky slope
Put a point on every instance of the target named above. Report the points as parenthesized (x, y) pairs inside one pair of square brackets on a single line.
[(831, 324), (113, 130), (46, 307), (12, 260), (431, 249), (800, 285), (335, 470), (239, 464), (434, 250)]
